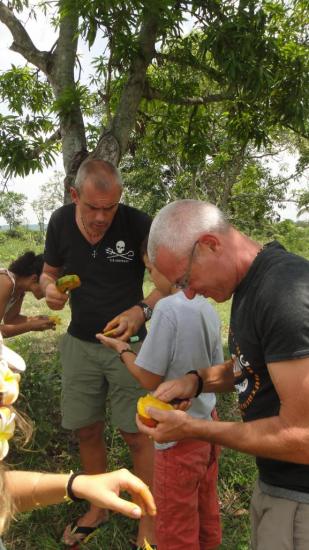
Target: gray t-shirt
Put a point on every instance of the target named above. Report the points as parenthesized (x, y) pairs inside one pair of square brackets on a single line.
[(184, 335)]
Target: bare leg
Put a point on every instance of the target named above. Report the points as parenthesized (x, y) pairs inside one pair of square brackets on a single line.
[(142, 452), (93, 458)]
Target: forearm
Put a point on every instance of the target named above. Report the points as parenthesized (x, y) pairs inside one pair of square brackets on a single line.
[(45, 280), (9, 330), (16, 320), (153, 298), (268, 437), (32, 489), (128, 360), (219, 378), (147, 379)]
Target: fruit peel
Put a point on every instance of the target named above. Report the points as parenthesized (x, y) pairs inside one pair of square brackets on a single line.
[(68, 282)]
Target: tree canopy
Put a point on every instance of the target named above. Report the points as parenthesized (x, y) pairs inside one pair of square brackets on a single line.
[(184, 105)]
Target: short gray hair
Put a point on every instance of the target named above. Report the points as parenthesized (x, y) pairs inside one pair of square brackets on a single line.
[(179, 225), (99, 172)]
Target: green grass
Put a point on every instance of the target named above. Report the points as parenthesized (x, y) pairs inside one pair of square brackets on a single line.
[(53, 449)]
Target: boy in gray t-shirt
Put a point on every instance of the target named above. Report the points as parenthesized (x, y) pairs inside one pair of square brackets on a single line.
[(184, 335)]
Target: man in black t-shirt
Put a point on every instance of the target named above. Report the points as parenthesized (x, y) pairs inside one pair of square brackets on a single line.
[(99, 239), (195, 247)]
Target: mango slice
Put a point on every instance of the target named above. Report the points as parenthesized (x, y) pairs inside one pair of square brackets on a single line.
[(68, 282), (55, 318), (150, 401)]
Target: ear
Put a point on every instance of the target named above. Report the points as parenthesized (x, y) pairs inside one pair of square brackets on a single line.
[(209, 240), (74, 195)]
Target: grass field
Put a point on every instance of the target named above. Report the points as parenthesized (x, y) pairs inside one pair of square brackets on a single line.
[(53, 449)]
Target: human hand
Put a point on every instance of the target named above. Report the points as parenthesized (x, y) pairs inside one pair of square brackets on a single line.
[(40, 323), (127, 323), (103, 490), (112, 343), (54, 298), (179, 388), (172, 425)]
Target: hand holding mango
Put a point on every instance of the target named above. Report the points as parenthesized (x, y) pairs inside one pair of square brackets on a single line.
[(55, 319), (68, 282), (111, 334), (150, 401)]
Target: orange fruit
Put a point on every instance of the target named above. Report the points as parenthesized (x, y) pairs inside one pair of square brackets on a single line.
[(150, 401)]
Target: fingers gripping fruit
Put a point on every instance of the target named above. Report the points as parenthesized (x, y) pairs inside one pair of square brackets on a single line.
[(68, 282), (55, 319), (150, 401)]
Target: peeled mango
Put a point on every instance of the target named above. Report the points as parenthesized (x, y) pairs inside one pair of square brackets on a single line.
[(150, 401), (68, 282)]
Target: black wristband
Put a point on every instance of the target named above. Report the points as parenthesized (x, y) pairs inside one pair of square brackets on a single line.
[(200, 382), (129, 350), (69, 490)]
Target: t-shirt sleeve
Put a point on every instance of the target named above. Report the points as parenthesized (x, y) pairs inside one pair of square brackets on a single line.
[(141, 222), (52, 242), (157, 350), (282, 316), (217, 356)]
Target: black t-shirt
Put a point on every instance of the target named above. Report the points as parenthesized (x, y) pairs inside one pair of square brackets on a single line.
[(270, 323), (112, 281)]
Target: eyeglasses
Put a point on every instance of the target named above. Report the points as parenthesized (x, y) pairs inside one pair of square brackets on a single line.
[(183, 283)]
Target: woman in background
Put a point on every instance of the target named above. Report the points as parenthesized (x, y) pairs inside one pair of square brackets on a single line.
[(22, 276)]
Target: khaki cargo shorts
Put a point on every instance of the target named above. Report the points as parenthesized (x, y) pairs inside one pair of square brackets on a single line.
[(90, 373), (278, 523)]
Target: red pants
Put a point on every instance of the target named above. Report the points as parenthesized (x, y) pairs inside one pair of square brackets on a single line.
[(185, 491)]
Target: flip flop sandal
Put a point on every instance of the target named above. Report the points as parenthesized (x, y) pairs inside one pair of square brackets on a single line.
[(79, 534)]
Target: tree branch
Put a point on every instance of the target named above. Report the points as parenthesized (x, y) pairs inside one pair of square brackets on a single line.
[(297, 131), (132, 94), (192, 63), (151, 94), (22, 42)]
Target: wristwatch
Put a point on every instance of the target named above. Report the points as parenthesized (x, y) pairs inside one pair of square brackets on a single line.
[(147, 310)]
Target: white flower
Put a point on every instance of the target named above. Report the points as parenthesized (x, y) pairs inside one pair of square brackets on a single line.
[(9, 384), (7, 427)]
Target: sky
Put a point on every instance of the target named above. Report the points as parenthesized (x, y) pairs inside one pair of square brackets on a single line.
[(43, 37)]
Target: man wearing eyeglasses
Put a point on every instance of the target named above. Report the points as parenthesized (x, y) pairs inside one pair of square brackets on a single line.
[(194, 246)]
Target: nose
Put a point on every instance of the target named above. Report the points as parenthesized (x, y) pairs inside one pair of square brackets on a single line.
[(189, 293), (100, 216)]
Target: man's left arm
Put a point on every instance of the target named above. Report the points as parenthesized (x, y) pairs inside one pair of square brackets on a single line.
[(283, 437), (129, 322)]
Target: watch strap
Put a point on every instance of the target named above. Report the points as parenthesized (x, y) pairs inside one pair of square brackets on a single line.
[(200, 382), (147, 310)]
